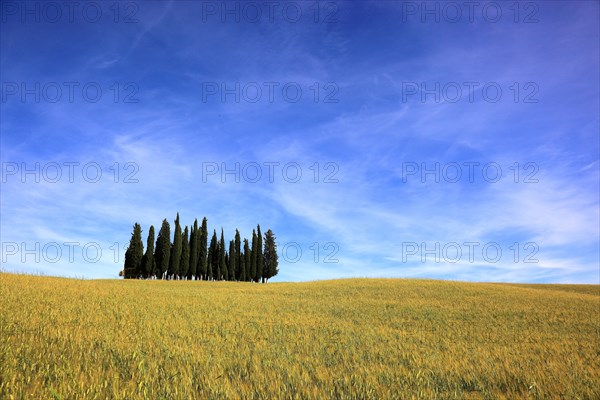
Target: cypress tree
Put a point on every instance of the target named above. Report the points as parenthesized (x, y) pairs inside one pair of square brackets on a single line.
[(238, 258), (216, 259), (184, 264), (247, 260), (212, 250), (259, 255), (253, 256), (271, 266), (242, 275), (203, 251), (132, 267), (176, 254), (163, 249), (227, 263), (222, 266), (193, 250), (232, 260), (170, 266), (148, 260)]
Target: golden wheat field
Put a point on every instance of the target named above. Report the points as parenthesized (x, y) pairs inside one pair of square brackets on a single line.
[(343, 339)]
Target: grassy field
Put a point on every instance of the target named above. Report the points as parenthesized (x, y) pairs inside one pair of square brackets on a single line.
[(343, 339)]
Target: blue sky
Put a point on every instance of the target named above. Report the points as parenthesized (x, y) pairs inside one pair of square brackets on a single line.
[(465, 148)]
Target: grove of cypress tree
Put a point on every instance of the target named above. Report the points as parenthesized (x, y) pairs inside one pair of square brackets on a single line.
[(259, 255), (222, 266), (193, 250), (202, 251), (189, 257), (163, 249), (184, 264), (232, 260), (271, 259), (253, 256), (247, 260), (132, 267), (148, 260)]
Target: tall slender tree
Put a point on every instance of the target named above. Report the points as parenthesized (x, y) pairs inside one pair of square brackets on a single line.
[(148, 260), (216, 263), (238, 257), (175, 259), (242, 276), (222, 266), (201, 270), (184, 264), (163, 249), (247, 260), (259, 255), (227, 263), (271, 260), (193, 250), (213, 257), (232, 260), (134, 254), (253, 256)]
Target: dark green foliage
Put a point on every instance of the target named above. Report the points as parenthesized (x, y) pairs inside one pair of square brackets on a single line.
[(242, 276), (232, 260), (163, 249), (134, 254), (194, 240), (189, 257), (247, 261), (238, 259), (216, 259), (259, 255), (222, 266), (184, 264), (253, 256), (176, 254), (271, 260), (227, 264), (170, 267), (148, 260), (213, 257), (202, 252)]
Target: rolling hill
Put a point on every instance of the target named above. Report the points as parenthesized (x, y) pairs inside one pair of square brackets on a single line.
[(343, 339)]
